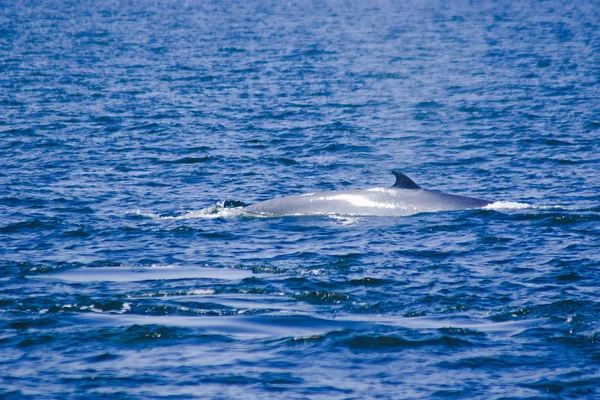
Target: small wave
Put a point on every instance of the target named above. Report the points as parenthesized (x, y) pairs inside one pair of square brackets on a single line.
[(387, 343), (274, 325), (455, 324), (344, 219)]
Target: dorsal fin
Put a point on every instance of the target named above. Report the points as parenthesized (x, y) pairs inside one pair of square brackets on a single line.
[(404, 182)]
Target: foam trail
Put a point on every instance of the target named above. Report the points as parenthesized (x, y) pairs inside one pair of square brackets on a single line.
[(218, 210), (508, 205), (209, 213), (513, 205)]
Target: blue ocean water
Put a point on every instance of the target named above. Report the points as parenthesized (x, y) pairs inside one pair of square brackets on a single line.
[(132, 133)]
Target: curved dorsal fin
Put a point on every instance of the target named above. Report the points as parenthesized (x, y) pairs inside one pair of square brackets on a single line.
[(404, 182)]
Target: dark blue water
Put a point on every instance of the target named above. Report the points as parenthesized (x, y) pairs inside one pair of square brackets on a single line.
[(132, 133)]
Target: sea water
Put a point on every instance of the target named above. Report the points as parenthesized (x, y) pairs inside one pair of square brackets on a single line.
[(132, 134)]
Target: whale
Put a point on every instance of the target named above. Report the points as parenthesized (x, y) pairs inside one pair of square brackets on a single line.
[(402, 199)]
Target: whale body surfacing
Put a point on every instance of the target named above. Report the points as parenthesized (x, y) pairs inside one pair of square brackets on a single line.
[(404, 198)]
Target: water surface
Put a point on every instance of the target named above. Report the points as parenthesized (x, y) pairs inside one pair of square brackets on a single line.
[(131, 135)]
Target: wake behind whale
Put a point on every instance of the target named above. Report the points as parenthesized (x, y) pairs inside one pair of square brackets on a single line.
[(404, 198)]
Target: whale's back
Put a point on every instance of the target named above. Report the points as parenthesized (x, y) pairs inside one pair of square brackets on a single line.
[(377, 201)]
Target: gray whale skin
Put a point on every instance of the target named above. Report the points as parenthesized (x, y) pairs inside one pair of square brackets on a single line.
[(403, 198)]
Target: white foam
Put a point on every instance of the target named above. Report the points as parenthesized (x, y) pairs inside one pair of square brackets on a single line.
[(507, 205), (210, 213), (201, 292), (140, 213), (513, 205), (215, 211)]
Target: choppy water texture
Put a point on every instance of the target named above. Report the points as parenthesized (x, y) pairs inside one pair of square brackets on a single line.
[(132, 133)]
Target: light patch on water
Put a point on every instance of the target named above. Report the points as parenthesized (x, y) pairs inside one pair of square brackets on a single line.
[(250, 302), (136, 274)]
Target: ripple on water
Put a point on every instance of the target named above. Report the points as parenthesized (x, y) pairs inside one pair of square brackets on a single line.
[(133, 134)]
